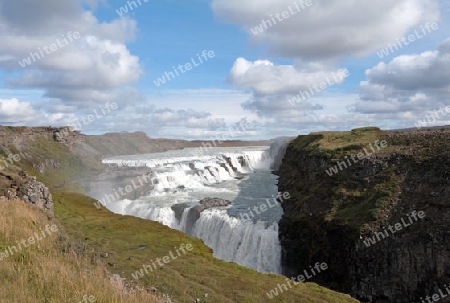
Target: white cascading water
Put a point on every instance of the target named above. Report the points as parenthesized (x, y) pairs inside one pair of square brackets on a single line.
[(177, 179), (249, 244)]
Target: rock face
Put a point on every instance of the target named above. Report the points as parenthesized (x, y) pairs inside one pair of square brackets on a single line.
[(26, 188), (38, 194), (66, 135), (330, 218), (178, 209)]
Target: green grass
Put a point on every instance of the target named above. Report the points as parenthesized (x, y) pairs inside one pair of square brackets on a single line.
[(186, 278), (348, 140), (352, 201), (335, 145), (50, 270)]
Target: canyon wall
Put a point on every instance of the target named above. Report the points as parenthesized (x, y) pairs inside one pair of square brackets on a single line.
[(333, 218)]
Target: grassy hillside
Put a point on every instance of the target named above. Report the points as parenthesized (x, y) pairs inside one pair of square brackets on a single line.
[(132, 242), (49, 270)]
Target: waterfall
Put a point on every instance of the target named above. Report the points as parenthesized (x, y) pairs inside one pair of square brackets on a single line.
[(192, 172), (179, 181), (246, 243)]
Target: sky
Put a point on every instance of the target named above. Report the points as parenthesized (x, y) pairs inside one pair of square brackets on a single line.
[(234, 69)]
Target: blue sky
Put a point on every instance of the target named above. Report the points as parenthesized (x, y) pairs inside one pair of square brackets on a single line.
[(252, 77)]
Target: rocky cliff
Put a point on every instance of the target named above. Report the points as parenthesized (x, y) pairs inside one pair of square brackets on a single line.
[(19, 185), (361, 217)]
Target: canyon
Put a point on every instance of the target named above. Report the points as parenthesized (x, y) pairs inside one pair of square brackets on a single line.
[(327, 218)]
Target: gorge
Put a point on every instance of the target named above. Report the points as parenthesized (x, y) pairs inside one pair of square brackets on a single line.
[(326, 218)]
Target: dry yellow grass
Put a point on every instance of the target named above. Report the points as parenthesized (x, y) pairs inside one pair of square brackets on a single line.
[(42, 272)]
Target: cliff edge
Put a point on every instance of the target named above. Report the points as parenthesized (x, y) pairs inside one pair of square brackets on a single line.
[(374, 206)]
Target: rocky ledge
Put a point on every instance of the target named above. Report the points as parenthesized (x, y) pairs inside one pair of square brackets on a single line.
[(26, 188), (212, 202)]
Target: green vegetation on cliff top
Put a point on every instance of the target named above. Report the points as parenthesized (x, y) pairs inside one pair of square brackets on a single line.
[(331, 144), (354, 201)]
